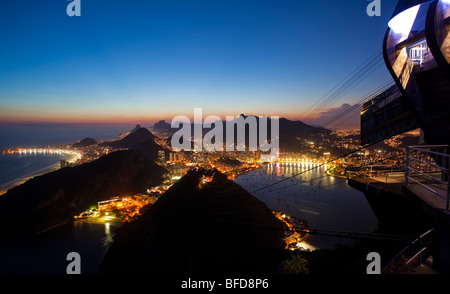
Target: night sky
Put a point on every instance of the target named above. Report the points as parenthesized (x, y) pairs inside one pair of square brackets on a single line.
[(131, 61)]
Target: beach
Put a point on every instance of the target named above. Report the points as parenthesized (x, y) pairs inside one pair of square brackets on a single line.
[(70, 157)]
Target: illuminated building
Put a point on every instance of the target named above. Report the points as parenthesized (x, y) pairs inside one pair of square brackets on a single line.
[(161, 156), (176, 156)]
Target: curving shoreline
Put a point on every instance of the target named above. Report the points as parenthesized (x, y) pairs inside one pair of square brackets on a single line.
[(3, 189)]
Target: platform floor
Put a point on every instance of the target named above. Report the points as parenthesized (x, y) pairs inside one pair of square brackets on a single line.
[(428, 196), (423, 193)]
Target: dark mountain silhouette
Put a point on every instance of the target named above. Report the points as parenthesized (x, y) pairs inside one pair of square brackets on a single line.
[(292, 134), (162, 127), (214, 228), (141, 140), (150, 149), (54, 198), (139, 136), (137, 127), (84, 143)]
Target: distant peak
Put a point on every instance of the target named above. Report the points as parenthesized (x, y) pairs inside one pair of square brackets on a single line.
[(137, 127), (84, 143)]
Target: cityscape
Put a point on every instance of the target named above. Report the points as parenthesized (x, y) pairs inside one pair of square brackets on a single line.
[(336, 161), (387, 156)]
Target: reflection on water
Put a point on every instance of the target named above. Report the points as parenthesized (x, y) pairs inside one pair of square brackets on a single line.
[(324, 202), (47, 253), (108, 239), (307, 193), (17, 166)]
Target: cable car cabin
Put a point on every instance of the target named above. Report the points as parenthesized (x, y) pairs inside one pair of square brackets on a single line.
[(417, 53)]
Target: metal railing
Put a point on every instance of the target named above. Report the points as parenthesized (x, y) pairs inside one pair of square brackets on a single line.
[(428, 166), (417, 249)]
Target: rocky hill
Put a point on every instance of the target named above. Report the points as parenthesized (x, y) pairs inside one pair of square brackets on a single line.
[(195, 228), (135, 137), (54, 198), (84, 143)]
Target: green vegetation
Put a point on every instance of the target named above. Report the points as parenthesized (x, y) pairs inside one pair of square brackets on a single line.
[(296, 265)]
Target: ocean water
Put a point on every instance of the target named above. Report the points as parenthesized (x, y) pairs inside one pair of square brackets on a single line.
[(47, 253), (326, 203), (43, 135), (14, 167)]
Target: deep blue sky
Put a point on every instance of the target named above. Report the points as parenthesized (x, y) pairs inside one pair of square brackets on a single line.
[(140, 61)]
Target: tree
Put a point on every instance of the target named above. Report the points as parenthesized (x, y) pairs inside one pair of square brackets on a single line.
[(295, 265)]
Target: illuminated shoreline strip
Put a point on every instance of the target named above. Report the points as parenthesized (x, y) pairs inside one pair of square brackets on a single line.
[(301, 162), (77, 154)]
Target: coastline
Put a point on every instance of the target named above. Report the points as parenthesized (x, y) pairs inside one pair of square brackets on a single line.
[(25, 178)]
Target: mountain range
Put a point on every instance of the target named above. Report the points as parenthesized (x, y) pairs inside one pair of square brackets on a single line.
[(292, 134)]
